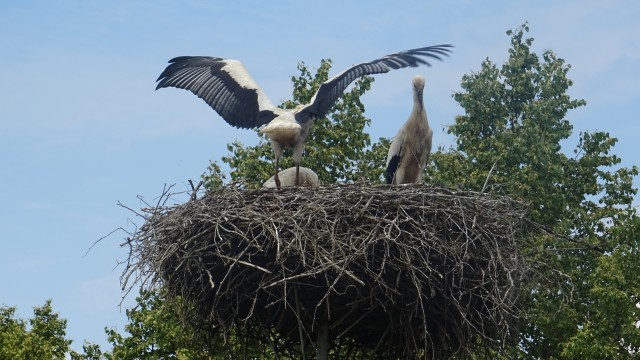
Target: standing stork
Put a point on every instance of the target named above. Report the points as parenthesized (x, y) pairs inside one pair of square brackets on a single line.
[(411, 147), (228, 88)]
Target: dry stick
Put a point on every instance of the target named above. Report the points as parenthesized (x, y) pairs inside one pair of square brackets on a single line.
[(244, 263), (295, 294), (271, 343), (323, 338), (229, 270), (354, 323), (486, 181), (375, 349), (288, 279)]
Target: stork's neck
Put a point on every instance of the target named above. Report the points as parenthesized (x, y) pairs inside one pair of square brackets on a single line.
[(419, 112)]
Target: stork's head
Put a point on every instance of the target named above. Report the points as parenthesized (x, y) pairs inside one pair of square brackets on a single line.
[(418, 83), (418, 87)]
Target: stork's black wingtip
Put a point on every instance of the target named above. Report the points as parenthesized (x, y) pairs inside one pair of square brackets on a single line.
[(443, 47), (446, 47)]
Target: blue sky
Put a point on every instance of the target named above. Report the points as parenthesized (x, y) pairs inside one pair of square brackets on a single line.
[(81, 127)]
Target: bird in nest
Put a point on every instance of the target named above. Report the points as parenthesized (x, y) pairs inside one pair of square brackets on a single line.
[(410, 148), (225, 84)]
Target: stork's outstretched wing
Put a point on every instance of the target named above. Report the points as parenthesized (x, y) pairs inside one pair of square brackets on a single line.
[(329, 92), (224, 84)]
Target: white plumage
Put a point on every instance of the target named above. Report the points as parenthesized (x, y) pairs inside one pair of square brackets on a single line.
[(228, 88), (411, 147), (306, 177)]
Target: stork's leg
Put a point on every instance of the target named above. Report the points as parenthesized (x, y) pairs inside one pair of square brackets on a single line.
[(275, 177), (277, 151), (297, 156)]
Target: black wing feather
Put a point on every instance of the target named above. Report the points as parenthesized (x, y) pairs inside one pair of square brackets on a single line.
[(394, 158), (392, 168), (203, 76), (332, 89)]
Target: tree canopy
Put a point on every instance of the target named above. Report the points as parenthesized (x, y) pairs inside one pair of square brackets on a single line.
[(42, 336), (510, 141)]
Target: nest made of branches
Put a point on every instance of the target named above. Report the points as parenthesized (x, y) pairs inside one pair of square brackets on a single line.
[(396, 271)]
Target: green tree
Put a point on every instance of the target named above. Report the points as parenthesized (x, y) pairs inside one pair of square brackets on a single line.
[(608, 330), (155, 331), (12, 334), (41, 337), (509, 143), (89, 352)]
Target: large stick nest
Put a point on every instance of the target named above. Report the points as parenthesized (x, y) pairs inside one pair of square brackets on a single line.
[(409, 271)]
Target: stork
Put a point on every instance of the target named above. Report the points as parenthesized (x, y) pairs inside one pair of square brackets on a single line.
[(411, 147), (228, 88), (306, 178)]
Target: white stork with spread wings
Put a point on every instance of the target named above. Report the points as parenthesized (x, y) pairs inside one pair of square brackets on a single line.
[(228, 88)]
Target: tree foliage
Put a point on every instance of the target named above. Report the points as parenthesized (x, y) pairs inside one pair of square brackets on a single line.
[(41, 337), (608, 327), (510, 141), (154, 332)]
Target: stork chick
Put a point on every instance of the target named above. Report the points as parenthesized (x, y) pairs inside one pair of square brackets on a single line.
[(306, 176), (411, 147)]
